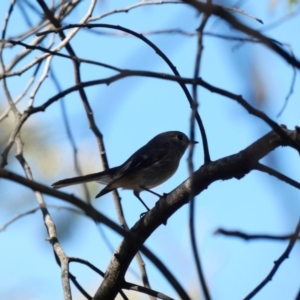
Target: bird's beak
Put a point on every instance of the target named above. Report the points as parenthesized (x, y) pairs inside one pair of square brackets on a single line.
[(193, 142)]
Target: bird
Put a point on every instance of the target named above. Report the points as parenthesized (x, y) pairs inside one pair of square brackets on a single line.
[(148, 167)]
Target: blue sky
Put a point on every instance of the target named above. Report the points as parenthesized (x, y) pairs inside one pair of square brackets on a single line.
[(129, 113)]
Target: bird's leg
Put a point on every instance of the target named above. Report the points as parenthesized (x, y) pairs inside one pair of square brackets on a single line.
[(145, 189), (138, 196)]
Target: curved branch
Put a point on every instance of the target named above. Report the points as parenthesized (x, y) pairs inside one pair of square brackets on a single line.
[(159, 53)]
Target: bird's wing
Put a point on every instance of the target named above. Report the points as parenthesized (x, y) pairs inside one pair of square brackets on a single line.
[(141, 159)]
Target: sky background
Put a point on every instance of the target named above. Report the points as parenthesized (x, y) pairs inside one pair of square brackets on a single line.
[(129, 113)]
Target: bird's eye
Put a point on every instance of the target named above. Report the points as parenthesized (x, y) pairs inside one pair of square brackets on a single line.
[(180, 137)]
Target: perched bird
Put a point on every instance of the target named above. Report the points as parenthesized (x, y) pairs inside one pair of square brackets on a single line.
[(148, 167)]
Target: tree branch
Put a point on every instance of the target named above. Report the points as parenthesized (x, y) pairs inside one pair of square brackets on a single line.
[(277, 263), (233, 166)]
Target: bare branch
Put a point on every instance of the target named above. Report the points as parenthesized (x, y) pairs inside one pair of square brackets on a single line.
[(277, 263), (248, 237), (242, 12), (278, 175), (207, 159), (32, 211), (220, 12), (58, 250)]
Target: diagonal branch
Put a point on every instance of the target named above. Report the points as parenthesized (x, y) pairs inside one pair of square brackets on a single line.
[(229, 18), (277, 263), (233, 166), (280, 176)]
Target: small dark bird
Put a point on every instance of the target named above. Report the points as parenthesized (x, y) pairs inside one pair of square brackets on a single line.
[(147, 168)]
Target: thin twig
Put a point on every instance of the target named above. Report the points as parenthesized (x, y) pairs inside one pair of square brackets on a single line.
[(242, 12), (31, 211), (195, 250), (128, 8), (278, 175), (67, 9), (229, 18), (21, 95), (277, 263), (248, 237), (291, 88), (53, 53), (281, 20)]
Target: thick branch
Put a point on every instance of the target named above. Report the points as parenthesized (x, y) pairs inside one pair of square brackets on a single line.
[(234, 166)]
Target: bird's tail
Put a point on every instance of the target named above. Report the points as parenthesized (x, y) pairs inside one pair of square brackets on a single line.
[(101, 177)]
